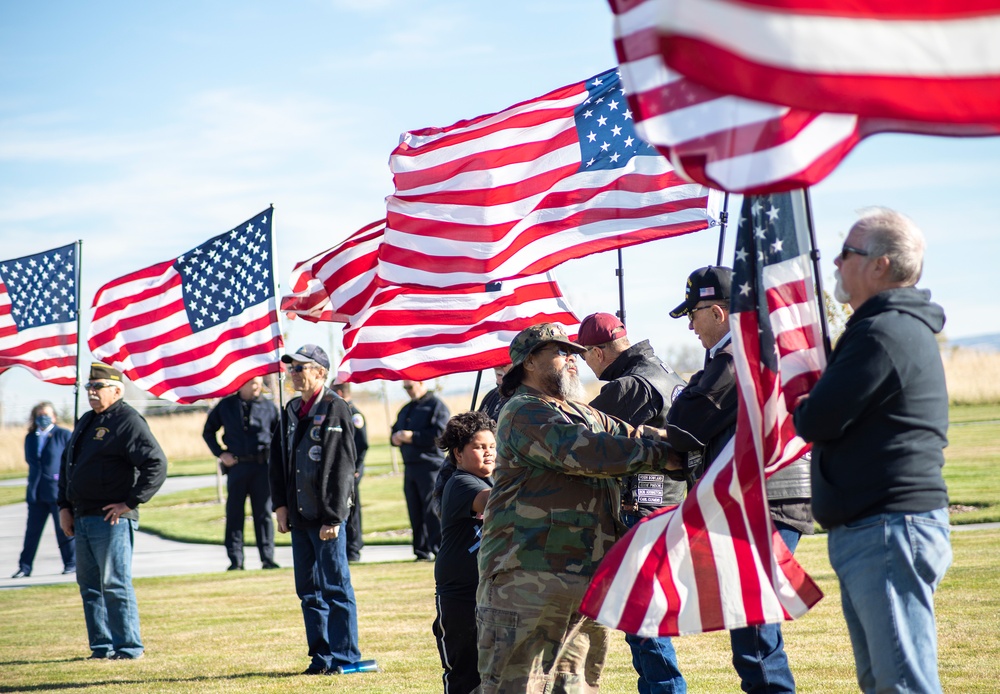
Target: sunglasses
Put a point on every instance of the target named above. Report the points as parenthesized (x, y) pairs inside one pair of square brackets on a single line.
[(847, 250), (299, 368), (699, 308), (96, 386)]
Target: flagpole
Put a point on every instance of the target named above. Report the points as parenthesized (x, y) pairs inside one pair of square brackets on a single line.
[(723, 221), (814, 255), (281, 332), (475, 391), (620, 272), (76, 382)]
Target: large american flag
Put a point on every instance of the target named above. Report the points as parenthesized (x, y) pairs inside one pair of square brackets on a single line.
[(923, 60), (338, 283), (518, 192), (729, 142), (38, 311), (716, 561), (420, 334), (197, 326)]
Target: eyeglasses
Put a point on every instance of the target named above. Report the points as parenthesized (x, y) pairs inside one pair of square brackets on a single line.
[(407, 388), (299, 368), (96, 386), (697, 308), (563, 352), (847, 250)]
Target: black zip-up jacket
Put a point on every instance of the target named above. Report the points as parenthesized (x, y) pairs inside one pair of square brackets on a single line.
[(111, 457), (878, 416), (314, 476)]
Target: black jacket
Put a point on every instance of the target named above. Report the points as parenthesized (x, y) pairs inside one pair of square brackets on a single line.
[(878, 416), (316, 489), (640, 389), (426, 417), (111, 457), (244, 437)]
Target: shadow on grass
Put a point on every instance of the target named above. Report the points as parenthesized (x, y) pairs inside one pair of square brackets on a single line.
[(119, 682)]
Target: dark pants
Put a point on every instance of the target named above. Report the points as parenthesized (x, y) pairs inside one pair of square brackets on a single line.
[(38, 513), (323, 584), (249, 478), (455, 630), (354, 541), (418, 488)]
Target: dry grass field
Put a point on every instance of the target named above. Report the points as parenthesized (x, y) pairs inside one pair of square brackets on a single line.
[(973, 379)]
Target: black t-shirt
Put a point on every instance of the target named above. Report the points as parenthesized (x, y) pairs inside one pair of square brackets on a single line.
[(456, 570)]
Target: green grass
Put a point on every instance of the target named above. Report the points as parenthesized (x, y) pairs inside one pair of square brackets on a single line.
[(243, 633), (12, 495)]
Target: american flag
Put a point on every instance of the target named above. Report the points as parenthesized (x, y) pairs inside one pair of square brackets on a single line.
[(729, 142), (420, 334), (716, 561), (518, 192), (197, 326), (336, 284), (38, 305), (923, 60)]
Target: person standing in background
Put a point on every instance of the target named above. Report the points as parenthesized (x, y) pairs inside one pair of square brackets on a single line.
[(43, 451), (355, 543)]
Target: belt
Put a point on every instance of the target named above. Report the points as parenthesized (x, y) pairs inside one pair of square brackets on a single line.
[(260, 457)]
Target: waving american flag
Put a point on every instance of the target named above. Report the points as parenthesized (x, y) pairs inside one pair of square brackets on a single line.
[(38, 314), (716, 561), (199, 325)]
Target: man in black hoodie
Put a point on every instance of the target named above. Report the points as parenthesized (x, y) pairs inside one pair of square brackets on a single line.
[(878, 419)]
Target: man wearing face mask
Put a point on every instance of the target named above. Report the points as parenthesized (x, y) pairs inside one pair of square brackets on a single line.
[(43, 450), (111, 465)]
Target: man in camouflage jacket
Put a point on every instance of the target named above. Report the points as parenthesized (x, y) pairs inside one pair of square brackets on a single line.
[(551, 517)]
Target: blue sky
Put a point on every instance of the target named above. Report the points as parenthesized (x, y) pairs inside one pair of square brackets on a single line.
[(145, 128)]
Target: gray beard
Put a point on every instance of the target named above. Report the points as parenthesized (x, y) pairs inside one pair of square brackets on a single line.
[(563, 385), (839, 293)]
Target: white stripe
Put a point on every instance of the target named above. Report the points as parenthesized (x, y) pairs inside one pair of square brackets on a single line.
[(821, 43)]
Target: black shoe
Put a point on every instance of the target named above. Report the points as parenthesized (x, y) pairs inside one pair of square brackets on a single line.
[(101, 655), (353, 558), (316, 670), (125, 656), (21, 573), (269, 565), (69, 570), (234, 567)]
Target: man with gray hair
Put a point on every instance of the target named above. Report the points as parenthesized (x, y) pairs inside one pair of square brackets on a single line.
[(111, 465), (878, 420)]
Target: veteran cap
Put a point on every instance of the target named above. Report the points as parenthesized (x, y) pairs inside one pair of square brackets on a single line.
[(102, 372), (308, 354), (706, 284)]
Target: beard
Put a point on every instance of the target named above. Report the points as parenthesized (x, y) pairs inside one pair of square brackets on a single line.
[(561, 384), (839, 293)]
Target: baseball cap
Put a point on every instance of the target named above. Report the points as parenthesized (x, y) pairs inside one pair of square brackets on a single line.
[(308, 354), (705, 284), (600, 328), (530, 339)]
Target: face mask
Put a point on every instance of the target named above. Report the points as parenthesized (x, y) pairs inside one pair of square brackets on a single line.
[(43, 421)]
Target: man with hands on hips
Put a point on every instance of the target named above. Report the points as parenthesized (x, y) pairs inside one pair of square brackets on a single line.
[(312, 487)]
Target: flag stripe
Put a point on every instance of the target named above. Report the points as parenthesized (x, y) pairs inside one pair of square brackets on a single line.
[(922, 60)]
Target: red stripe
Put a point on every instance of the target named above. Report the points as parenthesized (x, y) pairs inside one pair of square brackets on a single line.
[(428, 370), (948, 100), (890, 10)]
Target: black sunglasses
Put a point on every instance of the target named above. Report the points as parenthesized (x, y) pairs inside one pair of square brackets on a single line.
[(299, 368), (847, 250), (96, 386)]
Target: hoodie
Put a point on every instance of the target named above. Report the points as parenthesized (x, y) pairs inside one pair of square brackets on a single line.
[(878, 417)]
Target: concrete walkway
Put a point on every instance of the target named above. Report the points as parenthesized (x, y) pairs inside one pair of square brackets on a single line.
[(153, 556)]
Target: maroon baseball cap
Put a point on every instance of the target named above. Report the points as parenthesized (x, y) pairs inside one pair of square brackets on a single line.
[(600, 328)]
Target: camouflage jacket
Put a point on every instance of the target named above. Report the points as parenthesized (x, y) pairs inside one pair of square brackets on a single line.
[(555, 500)]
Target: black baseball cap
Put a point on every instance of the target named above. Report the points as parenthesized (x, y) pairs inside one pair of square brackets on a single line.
[(705, 284), (308, 354)]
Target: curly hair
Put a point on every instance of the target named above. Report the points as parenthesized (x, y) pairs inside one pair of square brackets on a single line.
[(460, 430)]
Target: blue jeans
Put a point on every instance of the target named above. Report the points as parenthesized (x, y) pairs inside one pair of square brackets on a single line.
[(654, 659), (759, 652), (889, 566), (323, 584), (104, 573)]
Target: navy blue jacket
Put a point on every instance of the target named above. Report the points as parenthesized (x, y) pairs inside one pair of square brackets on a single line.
[(43, 470), (426, 417), (878, 416), (242, 439)]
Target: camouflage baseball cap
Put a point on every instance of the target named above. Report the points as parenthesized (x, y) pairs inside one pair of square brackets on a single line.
[(530, 339)]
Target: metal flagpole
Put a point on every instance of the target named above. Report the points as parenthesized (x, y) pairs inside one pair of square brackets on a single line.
[(723, 220), (475, 391), (281, 334), (621, 288), (76, 383), (814, 254)]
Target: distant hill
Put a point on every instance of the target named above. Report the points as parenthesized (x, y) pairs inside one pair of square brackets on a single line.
[(985, 343)]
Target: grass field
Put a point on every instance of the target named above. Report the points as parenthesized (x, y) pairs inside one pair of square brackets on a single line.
[(243, 633)]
